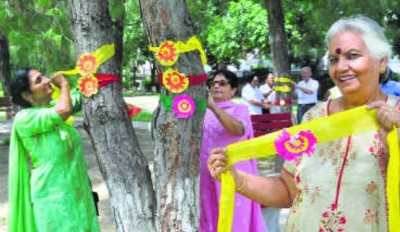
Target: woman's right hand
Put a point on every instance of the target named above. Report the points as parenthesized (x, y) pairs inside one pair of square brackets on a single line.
[(216, 162), (58, 79)]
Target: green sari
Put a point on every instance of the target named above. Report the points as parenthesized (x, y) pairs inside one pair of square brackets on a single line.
[(51, 192)]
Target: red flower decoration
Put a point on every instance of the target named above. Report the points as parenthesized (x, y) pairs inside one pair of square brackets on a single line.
[(86, 64), (167, 54), (88, 85), (133, 110), (175, 81)]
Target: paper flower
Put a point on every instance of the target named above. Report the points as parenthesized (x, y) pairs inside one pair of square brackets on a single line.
[(88, 85), (133, 110), (167, 54), (86, 64), (183, 106), (290, 147), (175, 81)]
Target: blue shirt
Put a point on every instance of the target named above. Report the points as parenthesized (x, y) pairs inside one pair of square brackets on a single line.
[(391, 88)]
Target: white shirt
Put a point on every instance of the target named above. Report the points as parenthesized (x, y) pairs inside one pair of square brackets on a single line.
[(252, 93), (303, 98), (265, 89)]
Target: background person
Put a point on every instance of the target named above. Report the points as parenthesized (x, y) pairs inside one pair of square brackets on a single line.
[(226, 122), (267, 89), (306, 92), (52, 192), (341, 187), (252, 95)]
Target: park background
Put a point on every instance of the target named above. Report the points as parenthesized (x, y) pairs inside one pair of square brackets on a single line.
[(238, 35)]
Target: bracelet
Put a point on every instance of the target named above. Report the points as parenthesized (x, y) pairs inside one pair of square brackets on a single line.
[(240, 186)]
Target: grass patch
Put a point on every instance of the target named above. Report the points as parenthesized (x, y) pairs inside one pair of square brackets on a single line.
[(143, 116)]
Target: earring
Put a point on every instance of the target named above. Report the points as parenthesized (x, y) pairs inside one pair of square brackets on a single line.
[(383, 69)]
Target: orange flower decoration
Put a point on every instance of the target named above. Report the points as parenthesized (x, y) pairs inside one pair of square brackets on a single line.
[(175, 81), (86, 64), (88, 85), (167, 54)]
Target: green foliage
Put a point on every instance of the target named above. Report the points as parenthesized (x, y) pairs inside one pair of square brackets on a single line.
[(242, 28)]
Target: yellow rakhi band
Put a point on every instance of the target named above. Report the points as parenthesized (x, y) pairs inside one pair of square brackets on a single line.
[(283, 80), (283, 88), (88, 63), (351, 122), (167, 53)]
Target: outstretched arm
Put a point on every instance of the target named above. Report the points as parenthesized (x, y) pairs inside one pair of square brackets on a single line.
[(276, 192)]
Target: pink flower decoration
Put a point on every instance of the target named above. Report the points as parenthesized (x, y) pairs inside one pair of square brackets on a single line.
[(290, 147), (183, 106)]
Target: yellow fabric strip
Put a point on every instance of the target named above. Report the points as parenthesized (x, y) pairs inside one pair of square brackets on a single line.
[(283, 80), (393, 181), (283, 88), (350, 122), (104, 53), (192, 44)]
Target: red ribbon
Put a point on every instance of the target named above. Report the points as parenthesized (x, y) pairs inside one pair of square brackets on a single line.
[(193, 79), (106, 79)]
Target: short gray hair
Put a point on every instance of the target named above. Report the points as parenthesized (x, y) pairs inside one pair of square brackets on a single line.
[(369, 30)]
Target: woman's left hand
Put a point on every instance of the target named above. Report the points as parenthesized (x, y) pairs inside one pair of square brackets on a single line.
[(386, 115)]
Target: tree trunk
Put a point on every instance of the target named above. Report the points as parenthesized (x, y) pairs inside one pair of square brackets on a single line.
[(5, 67), (277, 38), (122, 164), (177, 141), (280, 59)]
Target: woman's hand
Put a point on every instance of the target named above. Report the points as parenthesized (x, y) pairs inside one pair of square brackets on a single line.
[(386, 115), (59, 80), (216, 162), (210, 100)]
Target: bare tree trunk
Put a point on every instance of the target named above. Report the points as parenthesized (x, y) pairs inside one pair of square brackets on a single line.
[(5, 67), (177, 142), (277, 38), (122, 164)]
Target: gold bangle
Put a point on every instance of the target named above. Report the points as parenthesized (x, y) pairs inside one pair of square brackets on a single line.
[(240, 186)]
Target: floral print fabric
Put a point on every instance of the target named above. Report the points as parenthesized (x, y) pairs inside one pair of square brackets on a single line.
[(342, 186)]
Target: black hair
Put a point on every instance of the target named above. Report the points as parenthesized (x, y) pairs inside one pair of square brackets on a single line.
[(250, 77), (230, 76), (20, 84), (386, 76)]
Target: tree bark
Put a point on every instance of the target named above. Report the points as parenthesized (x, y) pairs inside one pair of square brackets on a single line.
[(277, 39), (122, 163), (5, 67), (177, 142)]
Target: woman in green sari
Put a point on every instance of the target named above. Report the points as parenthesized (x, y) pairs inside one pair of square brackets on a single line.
[(49, 188)]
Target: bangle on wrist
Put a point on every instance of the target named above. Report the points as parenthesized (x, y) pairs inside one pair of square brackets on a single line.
[(240, 186)]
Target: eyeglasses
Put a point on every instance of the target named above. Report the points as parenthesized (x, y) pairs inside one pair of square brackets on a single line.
[(221, 83)]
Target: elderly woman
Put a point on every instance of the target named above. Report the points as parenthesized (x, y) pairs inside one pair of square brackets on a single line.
[(226, 122), (341, 187), (48, 183)]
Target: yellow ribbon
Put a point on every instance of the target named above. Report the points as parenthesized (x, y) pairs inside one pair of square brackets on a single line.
[(101, 55), (191, 44), (283, 80), (351, 122)]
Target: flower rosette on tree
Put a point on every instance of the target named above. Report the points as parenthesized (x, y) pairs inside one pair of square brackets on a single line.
[(86, 64), (88, 85), (175, 81), (290, 147), (167, 54), (183, 106)]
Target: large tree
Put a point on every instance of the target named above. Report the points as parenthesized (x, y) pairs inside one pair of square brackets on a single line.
[(176, 141), (5, 67), (122, 164)]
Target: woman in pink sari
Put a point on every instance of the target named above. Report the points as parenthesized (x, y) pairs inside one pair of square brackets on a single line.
[(226, 122)]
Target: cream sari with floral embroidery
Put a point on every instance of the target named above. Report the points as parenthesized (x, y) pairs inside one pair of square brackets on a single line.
[(342, 186)]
